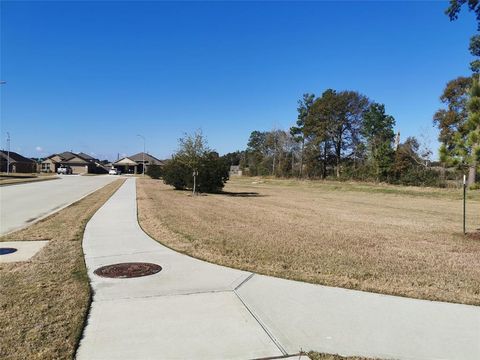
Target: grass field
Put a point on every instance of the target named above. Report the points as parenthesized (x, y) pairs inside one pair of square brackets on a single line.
[(44, 301), (12, 179), (388, 239)]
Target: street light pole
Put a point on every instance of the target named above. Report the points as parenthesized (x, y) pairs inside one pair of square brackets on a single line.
[(143, 155), (3, 82)]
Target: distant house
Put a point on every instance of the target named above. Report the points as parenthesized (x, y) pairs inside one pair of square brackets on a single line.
[(134, 164), (80, 163), (235, 170), (17, 163)]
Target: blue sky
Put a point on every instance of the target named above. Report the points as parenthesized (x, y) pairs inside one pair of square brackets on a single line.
[(89, 76)]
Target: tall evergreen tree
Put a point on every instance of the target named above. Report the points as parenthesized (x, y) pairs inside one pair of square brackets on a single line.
[(378, 131), (299, 131), (473, 128)]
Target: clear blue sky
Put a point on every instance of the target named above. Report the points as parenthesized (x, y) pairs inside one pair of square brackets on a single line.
[(89, 76)]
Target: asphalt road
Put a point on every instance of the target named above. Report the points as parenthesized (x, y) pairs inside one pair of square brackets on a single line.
[(23, 204)]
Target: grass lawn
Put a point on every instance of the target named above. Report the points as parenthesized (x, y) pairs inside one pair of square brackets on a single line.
[(387, 239), (44, 301), (24, 178)]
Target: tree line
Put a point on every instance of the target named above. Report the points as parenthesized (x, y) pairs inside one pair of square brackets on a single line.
[(345, 135), (342, 135)]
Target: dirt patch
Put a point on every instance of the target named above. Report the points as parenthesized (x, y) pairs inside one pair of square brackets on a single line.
[(394, 240), (44, 300)]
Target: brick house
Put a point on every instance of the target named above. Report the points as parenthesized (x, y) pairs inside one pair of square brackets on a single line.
[(80, 163), (134, 164), (17, 163)]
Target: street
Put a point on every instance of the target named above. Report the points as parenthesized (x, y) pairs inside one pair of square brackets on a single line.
[(23, 204)]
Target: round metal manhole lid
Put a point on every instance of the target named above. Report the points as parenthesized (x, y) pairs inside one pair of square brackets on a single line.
[(7, 250), (128, 270)]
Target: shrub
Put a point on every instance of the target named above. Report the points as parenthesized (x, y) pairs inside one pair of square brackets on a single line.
[(154, 171), (176, 173), (212, 173)]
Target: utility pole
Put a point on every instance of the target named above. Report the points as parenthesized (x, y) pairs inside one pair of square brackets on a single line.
[(143, 155), (3, 82), (8, 152)]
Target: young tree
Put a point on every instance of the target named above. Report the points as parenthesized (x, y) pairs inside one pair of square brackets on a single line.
[(195, 166), (378, 131), (192, 149)]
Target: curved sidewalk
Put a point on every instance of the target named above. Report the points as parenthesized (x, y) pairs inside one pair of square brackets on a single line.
[(196, 310)]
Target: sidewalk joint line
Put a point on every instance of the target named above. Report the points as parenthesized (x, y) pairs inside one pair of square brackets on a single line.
[(244, 281), (262, 325)]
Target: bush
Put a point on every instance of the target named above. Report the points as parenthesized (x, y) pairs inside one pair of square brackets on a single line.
[(420, 177), (175, 173), (154, 171), (212, 173)]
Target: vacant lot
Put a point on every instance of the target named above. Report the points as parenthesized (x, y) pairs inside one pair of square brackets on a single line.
[(44, 301), (393, 240)]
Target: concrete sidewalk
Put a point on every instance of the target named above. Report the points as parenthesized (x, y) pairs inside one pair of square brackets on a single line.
[(196, 310)]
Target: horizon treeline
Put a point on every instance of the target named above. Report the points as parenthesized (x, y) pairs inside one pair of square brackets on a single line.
[(341, 135)]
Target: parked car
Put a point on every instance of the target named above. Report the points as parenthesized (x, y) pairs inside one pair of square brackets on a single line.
[(114, 172), (66, 170)]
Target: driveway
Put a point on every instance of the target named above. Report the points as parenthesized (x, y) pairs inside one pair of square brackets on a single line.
[(196, 310), (22, 204)]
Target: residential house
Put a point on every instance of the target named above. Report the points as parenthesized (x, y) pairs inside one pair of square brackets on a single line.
[(134, 164), (16, 162), (79, 163), (235, 170)]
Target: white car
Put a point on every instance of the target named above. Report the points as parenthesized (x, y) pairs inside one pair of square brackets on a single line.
[(114, 172), (65, 170)]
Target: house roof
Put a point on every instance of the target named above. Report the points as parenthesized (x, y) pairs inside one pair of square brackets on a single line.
[(86, 156), (150, 158), (125, 161), (76, 160), (14, 157), (66, 156)]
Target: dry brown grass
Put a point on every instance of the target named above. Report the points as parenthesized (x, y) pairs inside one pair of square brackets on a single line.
[(394, 240), (21, 180), (44, 301), (321, 356)]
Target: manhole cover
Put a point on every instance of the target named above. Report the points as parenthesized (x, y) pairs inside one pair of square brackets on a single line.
[(6, 251), (128, 270)]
